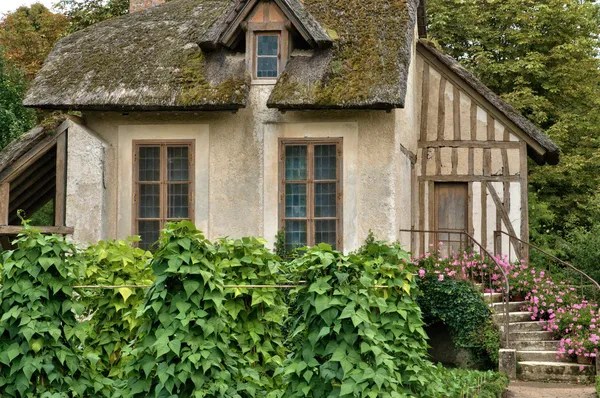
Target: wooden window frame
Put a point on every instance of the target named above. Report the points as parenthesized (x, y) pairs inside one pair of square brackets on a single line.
[(255, 55), (163, 203), (310, 184)]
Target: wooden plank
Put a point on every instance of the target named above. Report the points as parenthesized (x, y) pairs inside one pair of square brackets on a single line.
[(473, 128), (422, 217), (60, 200), (470, 144), (459, 178), (431, 203), (16, 229), (456, 116), (503, 214), (524, 202), (425, 101), (12, 172), (484, 215), (441, 123), (40, 175), (46, 162), (26, 201), (470, 208), (454, 161), (4, 202), (438, 161)]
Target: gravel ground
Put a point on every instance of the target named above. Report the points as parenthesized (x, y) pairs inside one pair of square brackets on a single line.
[(549, 390)]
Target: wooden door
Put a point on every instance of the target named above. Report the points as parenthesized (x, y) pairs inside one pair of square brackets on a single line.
[(451, 214)]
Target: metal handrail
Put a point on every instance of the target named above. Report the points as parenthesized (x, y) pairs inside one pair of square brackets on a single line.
[(505, 290), (558, 260)]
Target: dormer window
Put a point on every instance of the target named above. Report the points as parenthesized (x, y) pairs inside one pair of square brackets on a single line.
[(267, 65)]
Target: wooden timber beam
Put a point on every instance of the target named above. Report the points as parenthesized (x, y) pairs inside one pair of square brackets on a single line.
[(16, 229)]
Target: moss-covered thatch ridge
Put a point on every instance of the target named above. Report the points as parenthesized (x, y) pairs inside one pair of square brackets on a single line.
[(149, 60), (367, 66)]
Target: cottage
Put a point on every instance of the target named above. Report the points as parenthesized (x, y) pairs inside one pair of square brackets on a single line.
[(323, 118)]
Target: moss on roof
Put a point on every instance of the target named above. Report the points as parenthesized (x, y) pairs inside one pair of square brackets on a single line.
[(151, 60), (144, 61), (368, 64)]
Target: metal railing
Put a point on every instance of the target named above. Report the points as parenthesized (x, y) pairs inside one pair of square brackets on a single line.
[(468, 243), (561, 266)]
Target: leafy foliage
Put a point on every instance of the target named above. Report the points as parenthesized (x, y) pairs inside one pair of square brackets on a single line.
[(83, 13), (457, 304), (202, 340), (352, 338), (113, 313), (28, 34), (14, 117), (39, 333), (548, 68), (468, 383)]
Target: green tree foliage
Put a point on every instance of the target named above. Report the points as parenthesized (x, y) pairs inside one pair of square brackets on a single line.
[(40, 337), (352, 338), (28, 34), (14, 117), (202, 340), (113, 313), (83, 13), (543, 58)]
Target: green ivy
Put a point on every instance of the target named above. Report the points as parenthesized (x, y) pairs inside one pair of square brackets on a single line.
[(350, 337), (460, 306), (40, 337), (113, 314), (201, 339)]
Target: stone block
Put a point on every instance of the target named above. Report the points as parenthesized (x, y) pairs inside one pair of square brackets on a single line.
[(507, 362)]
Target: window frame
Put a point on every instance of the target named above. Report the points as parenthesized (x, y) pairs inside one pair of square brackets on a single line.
[(255, 55), (163, 182), (310, 186)]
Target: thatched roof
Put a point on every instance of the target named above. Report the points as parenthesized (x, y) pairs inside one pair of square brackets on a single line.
[(551, 150), (148, 60), (152, 60)]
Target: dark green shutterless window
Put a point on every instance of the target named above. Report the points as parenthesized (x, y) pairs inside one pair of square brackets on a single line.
[(311, 192)]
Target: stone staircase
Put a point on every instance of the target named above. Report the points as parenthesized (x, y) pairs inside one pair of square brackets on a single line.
[(536, 351)]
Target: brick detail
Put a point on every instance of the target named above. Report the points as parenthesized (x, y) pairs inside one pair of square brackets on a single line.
[(139, 5)]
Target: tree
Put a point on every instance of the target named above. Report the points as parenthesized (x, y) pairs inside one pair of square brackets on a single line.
[(83, 13), (14, 117), (541, 56), (28, 35)]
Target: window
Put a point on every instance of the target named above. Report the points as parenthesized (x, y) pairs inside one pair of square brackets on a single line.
[(451, 208), (311, 192), (163, 186), (267, 55)]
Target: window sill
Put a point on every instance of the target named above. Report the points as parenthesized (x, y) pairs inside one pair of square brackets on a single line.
[(264, 82)]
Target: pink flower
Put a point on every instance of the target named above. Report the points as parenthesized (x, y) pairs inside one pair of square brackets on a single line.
[(421, 273), (441, 277)]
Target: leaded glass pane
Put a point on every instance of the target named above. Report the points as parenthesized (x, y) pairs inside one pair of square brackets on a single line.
[(149, 231), (267, 45), (178, 163), (325, 232), (295, 200), (295, 162), (295, 234), (325, 162), (325, 199), (178, 198), (149, 163), (266, 66), (149, 203)]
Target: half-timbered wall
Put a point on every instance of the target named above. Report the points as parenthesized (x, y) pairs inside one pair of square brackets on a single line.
[(462, 139)]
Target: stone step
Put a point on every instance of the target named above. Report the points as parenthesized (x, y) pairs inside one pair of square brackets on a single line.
[(550, 345), (533, 326), (540, 356), (521, 316), (492, 297), (555, 371), (513, 306), (530, 336)]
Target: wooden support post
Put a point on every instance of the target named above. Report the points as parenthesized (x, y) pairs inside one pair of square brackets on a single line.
[(4, 202), (61, 181)]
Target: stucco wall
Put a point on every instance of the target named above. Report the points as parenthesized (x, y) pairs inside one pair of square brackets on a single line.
[(86, 193), (236, 166)]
